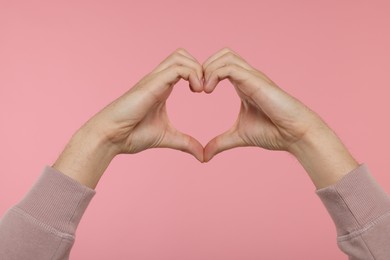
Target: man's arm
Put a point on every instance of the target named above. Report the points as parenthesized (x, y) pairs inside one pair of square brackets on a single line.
[(272, 119), (359, 207), (43, 224)]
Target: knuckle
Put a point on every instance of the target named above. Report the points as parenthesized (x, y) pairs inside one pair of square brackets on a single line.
[(230, 55), (180, 50), (174, 68), (178, 66), (177, 70), (226, 49), (231, 67), (176, 56)]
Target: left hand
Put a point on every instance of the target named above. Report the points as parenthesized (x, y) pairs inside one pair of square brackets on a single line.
[(269, 117)]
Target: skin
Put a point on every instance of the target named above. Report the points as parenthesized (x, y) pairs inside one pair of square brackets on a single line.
[(272, 119), (134, 122), (269, 118)]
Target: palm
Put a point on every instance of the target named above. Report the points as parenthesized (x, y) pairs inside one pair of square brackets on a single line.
[(255, 127), (149, 132), (268, 118), (272, 119), (140, 120)]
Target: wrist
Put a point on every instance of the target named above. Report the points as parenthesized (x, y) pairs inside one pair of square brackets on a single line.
[(98, 139), (312, 139), (323, 155), (86, 156)]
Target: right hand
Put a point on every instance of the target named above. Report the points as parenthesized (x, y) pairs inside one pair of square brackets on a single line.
[(138, 119), (268, 118)]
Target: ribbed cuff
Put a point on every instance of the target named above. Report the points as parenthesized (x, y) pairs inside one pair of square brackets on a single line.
[(355, 200), (57, 200)]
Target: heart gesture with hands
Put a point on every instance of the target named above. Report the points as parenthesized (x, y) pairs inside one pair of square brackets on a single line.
[(269, 118)]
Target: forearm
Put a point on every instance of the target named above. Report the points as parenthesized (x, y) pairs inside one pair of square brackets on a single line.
[(359, 207), (324, 157), (360, 210), (86, 156), (43, 224)]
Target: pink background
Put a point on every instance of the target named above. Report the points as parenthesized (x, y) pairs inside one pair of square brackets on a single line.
[(62, 61)]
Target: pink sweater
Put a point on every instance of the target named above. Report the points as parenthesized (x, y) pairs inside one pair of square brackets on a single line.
[(43, 224)]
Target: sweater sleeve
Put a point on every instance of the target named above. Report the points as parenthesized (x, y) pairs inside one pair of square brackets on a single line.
[(360, 210), (43, 224)]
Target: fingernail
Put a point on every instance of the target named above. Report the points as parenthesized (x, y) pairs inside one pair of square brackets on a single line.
[(200, 82), (206, 83)]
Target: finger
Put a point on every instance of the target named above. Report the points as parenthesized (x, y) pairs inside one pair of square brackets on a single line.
[(181, 57), (225, 141), (223, 60), (187, 54), (159, 83), (176, 72), (215, 56), (234, 72), (177, 140)]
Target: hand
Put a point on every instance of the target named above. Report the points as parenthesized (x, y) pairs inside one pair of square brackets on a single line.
[(268, 118), (135, 121), (138, 119), (272, 119)]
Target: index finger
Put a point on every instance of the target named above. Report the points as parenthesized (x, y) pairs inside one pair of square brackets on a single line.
[(217, 55)]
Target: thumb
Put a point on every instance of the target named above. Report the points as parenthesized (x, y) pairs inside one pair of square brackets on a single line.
[(225, 141), (177, 140)]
